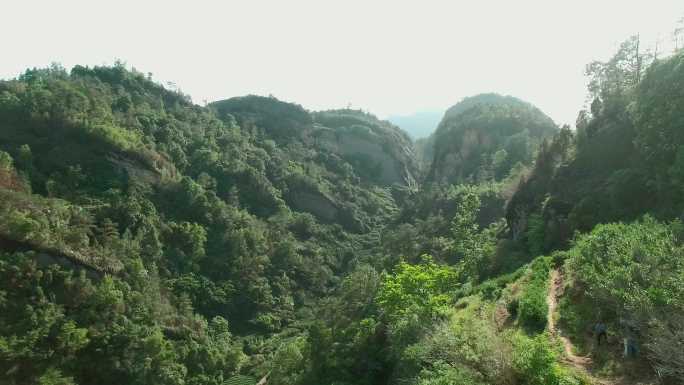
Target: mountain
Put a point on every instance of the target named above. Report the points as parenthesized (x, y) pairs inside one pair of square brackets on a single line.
[(419, 124), (379, 152), (485, 137)]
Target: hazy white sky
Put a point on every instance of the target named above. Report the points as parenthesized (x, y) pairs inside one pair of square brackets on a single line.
[(387, 57)]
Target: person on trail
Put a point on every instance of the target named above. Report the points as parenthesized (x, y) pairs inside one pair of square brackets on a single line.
[(631, 347), (600, 330), (630, 338)]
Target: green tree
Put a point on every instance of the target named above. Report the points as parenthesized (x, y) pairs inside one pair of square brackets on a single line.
[(425, 289), (471, 245)]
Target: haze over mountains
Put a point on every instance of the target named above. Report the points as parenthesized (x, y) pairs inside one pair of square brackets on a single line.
[(426, 56), (418, 125)]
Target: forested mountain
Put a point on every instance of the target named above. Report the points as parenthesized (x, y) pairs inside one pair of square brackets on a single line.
[(485, 137), (195, 222), (148, 240)]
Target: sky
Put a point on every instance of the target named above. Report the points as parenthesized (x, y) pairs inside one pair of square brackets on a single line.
[(388, 57)]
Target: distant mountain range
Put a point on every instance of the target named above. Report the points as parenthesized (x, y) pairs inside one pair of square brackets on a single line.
[(418, 125)]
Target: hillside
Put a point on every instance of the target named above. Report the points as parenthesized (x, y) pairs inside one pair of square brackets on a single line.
[(380, 152), (145, 239), (204, 213)]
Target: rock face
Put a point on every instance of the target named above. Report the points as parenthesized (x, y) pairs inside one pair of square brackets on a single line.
[(315, 203), (484, 137), (138, 171), (380, 152)]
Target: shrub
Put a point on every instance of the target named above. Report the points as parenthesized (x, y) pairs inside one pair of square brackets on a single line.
[(512, 307), (532, 307), (535, 234), (636, 269), (666, 339), (443, 374), (467, 345), (535, 363), (492, 289)]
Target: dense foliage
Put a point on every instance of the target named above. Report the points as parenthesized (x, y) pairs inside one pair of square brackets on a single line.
[(634, 273), (106, 172)]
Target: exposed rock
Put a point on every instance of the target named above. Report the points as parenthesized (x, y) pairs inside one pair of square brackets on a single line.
[(136, 170), (314, 203), (379, 152)]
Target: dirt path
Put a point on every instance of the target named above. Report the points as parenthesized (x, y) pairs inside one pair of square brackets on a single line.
[(581, 363)]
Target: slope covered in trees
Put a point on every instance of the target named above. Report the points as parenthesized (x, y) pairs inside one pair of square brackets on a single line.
[(196, 218), (623, 160), (148, 240)]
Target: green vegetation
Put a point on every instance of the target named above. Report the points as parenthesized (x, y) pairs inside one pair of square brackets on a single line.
[(532, 307), (633, 273), (608, 169), (148, 240), (424, 290), (191, 219)]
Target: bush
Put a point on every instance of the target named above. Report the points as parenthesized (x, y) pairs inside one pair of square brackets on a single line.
[(666, 339), (535, 360), (512, 307), (535, 234), (443, 374), (535, 363), (635, 269), (532, 307), (491, 289), (467, 345), (425, 289)]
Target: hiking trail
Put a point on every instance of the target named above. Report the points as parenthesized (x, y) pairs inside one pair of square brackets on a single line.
[(581, 363)]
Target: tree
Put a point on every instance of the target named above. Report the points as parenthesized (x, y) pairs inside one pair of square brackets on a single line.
[(186, 242), (658, 113), (424, 289), (471, 245), (619, 74)]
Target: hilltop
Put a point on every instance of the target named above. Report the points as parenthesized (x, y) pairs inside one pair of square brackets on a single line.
[(487, 136)]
